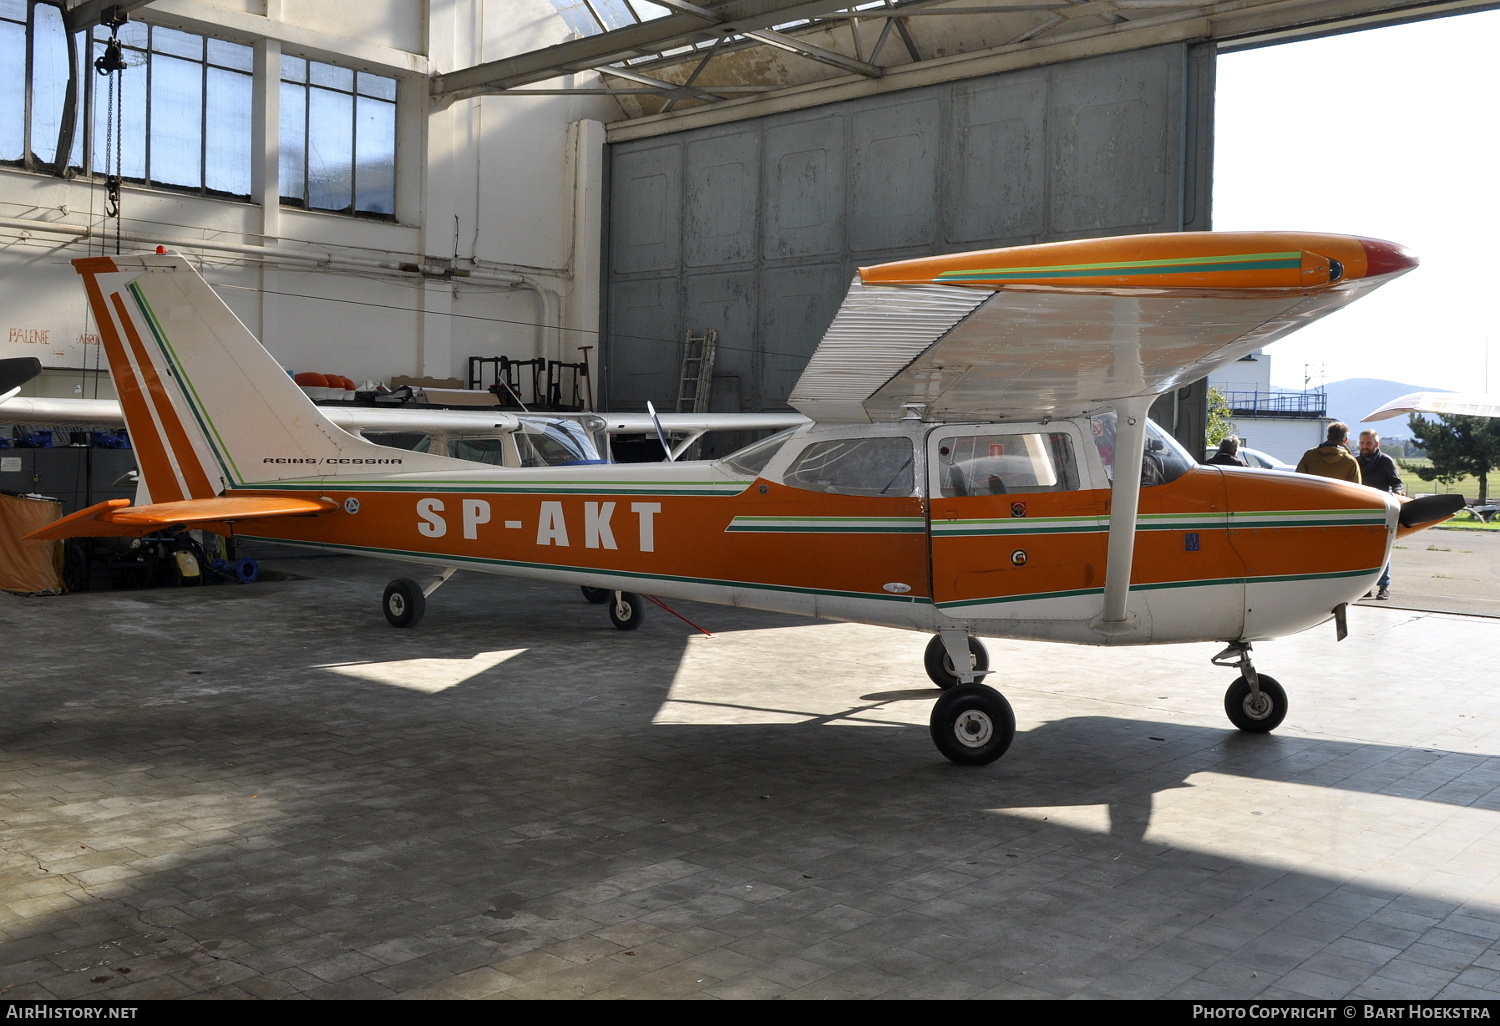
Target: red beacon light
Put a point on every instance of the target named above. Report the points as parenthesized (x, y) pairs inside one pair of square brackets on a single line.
[(161, 250)]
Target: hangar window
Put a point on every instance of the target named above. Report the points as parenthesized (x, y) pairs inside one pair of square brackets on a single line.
[(338, 139), (591, 17), (185, 119), (183, 107), (34, 54)]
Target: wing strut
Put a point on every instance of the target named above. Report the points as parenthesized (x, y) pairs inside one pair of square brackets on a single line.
[(1125, 499)]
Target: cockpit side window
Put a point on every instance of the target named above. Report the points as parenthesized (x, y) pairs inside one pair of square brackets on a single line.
[(1001, 464), (855, 466)]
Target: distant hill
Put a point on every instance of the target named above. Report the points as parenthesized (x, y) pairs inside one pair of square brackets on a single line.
[(1352, 398)]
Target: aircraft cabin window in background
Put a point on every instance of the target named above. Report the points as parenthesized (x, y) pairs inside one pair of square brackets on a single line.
[(1164, 461), (338, 139), (752, 459), (479, 450), (855, 466), (1003, 464), (554, 444), (413, 441)]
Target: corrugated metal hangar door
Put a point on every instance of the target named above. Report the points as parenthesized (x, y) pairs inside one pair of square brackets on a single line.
[(755, 228)]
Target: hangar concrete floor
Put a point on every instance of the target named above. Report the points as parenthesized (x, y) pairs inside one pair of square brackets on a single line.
[(265, 791)]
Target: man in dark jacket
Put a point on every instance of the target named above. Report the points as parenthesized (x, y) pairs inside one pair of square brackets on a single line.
[(1228, 454), (1378, 471), (1332, 458)]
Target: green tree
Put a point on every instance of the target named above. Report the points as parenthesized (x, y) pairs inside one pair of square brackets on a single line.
[(1458, 446), (1218, 416)]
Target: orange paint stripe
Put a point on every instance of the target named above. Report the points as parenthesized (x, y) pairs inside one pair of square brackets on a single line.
[(150, 450), (177, 438)]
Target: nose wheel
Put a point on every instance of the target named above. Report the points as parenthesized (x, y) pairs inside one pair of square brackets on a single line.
[(1256, 711), (1255, 702)]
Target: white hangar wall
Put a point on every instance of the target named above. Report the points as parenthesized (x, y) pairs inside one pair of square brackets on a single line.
[(504, 191)]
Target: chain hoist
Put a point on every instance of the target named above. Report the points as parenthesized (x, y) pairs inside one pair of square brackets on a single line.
[(111, 67)]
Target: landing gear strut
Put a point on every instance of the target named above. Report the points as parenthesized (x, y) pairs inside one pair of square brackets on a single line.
[(939, 664), (1255, 702)]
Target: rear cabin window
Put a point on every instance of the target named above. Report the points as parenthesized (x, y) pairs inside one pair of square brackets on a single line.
[(1005, 464), (752, 459), (855, 466)]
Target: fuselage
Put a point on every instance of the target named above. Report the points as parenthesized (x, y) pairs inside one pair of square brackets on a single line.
[(999, 528)]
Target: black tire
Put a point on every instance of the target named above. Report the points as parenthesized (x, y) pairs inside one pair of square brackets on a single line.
[(404, 603), (628, 611), (596, 596), (76, 565), (972, 725), (1252, 717), (940, 668)]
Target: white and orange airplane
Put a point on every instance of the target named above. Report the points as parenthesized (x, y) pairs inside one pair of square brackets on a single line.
[(968, 413)]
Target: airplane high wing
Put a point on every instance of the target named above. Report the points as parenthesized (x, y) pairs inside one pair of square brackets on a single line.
[(1461, 404), (1028, 332), (978, 462)]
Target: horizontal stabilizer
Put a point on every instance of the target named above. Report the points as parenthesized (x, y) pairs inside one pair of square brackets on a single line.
[(117, 518)]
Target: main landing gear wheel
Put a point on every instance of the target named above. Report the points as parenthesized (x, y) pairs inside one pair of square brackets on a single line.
[(939, 665), (627, 611), (596, 596), (404, 602), (1256, 714), (972, 725)]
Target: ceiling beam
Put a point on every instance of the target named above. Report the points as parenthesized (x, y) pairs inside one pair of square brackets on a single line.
[(816, 53), (85, 13), (678, 29)]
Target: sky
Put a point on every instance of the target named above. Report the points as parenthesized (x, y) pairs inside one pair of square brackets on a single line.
[(1387, 133)]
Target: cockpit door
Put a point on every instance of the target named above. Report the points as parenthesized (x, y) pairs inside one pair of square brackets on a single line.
[(1014, 531)]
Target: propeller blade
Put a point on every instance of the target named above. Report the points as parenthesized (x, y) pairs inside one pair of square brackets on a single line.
[(1430, 508)]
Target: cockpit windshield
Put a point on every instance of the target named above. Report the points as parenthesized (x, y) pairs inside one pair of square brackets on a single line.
[(1163, 462)]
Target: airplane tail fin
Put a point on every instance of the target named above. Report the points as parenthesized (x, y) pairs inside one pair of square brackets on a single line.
[(207, 407)]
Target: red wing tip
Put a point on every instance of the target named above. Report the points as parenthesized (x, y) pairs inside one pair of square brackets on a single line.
[(1383, 257)]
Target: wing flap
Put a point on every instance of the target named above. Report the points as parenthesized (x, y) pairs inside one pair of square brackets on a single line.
[(117, 518)]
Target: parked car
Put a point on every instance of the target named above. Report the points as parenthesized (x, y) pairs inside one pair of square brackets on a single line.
[(1256, 459)]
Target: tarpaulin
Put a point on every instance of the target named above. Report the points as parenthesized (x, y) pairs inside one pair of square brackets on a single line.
[(29, 567)]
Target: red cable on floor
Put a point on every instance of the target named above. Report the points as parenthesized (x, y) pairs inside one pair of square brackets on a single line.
[(653, 598)]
